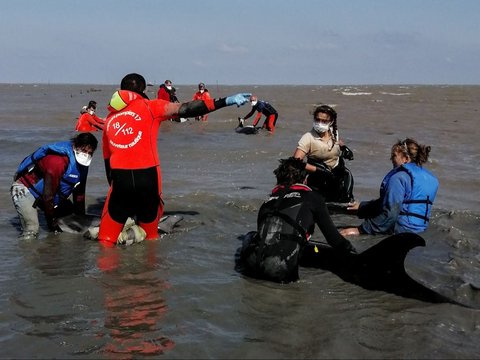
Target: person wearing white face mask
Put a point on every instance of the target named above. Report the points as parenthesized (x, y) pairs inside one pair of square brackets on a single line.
[(262, 108), (88, 120), (167, 92), (202, 94), (325, 153), (46, 179)]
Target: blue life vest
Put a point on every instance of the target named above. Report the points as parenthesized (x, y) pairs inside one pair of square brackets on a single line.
[(73, 175), (415, 212)]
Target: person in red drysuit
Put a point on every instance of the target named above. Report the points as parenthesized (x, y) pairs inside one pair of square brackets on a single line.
[(88, 120), (131, 158), (167, 92), (202, 94)]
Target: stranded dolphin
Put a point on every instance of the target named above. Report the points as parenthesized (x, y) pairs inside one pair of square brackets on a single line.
[(247, 130), (378, 267), (88, 226)]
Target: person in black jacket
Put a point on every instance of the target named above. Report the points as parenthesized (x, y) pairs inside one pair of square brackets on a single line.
[(285, 223)]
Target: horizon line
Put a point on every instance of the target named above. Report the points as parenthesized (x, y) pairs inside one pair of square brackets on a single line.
[(245, 84)]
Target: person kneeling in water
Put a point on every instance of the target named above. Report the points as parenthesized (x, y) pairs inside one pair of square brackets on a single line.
[(48, 178), (406, 197), (285, 223)]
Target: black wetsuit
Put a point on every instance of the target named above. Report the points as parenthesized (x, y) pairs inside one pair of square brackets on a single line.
[(285, 223)]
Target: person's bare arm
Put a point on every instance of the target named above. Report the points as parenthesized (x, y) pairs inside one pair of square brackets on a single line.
[(300, 154)]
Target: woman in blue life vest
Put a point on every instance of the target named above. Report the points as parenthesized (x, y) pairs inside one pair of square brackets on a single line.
[(406, 197), (46, 178)]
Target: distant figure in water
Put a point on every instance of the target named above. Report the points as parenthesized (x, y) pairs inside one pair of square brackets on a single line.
[(202, 94), (285, 223), (167, 92), (45, 180), (88, 120), (262, 108), (406, 195)]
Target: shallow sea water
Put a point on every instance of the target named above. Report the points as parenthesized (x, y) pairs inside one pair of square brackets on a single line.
[(180, 297)]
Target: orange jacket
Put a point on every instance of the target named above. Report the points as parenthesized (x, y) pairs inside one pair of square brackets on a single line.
[(201, 96), (131, 129), (87, 122)]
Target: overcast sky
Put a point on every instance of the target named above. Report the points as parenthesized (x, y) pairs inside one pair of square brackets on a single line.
[(241, 42)]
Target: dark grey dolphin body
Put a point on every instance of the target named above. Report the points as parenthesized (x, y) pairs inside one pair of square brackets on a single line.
[(384, 267), (247, 130), (79, 224), (379, 265)]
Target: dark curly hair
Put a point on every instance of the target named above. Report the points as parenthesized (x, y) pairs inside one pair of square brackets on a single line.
[(290, 171)]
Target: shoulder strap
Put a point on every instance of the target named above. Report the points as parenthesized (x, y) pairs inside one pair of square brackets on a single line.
[(276, 212)]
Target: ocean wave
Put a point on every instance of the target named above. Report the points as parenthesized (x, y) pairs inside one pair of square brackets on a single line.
[(395, 94), (355, 93)]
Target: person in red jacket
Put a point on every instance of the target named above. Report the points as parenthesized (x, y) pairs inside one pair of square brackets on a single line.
[(202, 94), (131, 157), (88, 120), (167, 92)]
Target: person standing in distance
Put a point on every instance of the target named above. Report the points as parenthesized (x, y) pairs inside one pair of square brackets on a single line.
[(167, 92), (202, 94)]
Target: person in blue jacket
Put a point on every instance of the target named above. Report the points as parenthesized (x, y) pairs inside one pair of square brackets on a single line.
[(406, 197), (45, 180), (262, 108)]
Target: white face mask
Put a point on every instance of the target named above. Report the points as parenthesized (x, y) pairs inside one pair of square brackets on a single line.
[(201, 90), (91, 111), (83, 158), (320, 127), (254, 103), (169, 87)]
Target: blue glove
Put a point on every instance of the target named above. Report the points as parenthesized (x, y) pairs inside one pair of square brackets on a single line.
[(238, 99)]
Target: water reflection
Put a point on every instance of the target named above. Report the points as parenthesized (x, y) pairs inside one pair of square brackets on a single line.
[(133, 301)]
